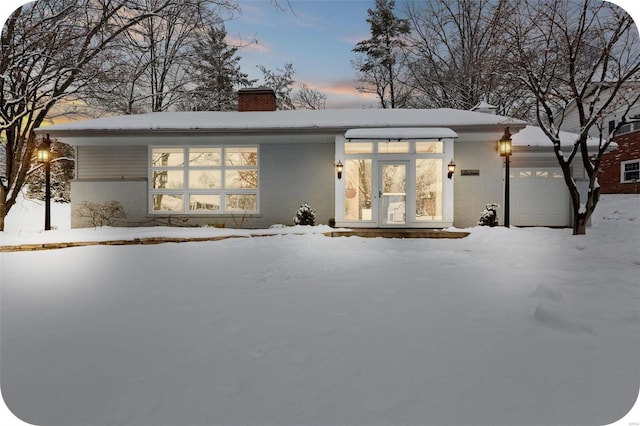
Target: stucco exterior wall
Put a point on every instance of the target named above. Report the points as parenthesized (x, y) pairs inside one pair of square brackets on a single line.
[(290, 174), (130, 193), (472, 193)]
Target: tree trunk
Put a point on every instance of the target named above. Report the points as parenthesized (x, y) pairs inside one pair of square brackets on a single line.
[(580, 221), (3, 206)]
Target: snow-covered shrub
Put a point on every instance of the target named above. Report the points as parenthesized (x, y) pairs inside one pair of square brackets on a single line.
[(489, 216), (305, 215)]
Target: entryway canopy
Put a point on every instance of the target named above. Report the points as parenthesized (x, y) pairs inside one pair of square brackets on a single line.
[(400, 133)]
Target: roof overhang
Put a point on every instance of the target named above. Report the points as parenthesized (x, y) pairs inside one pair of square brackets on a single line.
[(400, 133)]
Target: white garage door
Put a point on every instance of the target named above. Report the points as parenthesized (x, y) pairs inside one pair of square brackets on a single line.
[(539, 197)]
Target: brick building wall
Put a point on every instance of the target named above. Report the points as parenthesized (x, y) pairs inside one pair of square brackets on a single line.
[(609, 176)]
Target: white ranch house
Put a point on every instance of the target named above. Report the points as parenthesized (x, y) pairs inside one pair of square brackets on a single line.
[(256, 167)]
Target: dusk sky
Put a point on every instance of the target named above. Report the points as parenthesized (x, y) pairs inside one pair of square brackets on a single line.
[(316, 37)]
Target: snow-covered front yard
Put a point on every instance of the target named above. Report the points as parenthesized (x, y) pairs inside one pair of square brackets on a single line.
[(504, 327)]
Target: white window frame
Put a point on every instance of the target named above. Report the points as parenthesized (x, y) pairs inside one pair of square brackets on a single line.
[(186, 192), (411, 156), (622, 170)]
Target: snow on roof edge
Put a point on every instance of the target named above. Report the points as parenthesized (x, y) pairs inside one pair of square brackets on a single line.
[(400, 133), (283, 120), (533, 136)]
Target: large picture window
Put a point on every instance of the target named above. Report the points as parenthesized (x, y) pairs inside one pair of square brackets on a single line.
[(211, 179)]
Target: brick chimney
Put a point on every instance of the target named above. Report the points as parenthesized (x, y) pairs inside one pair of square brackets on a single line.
[(258, 99)]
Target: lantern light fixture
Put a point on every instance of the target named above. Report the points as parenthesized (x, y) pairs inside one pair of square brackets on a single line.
[(339, 169), (504, 144), (43, 154), (451, 169)]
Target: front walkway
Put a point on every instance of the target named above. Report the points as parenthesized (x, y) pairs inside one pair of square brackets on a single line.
[(397, 233), (364, 232)]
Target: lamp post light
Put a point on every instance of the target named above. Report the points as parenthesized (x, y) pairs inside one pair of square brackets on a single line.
[(44, 157), (504, 147)]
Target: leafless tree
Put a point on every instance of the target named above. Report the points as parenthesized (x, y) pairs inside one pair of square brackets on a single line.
[(50, 52), (308, 98), (457, 56), (583, 54), (149, 63)]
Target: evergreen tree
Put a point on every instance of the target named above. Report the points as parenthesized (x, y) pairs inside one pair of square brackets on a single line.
[(379, 67), (216, 71), (62, 169), (281, 81)]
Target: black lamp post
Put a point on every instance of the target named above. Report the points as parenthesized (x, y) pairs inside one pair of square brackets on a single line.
[(44, 157), (504, 147)]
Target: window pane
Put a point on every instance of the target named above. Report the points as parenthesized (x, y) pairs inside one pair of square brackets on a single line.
[(542, 174), (429, 147), (204, 156), (631, 171), (205, 179), (204, 203), (357, 194), (241, 202), (241, 156), (429, 189), (630, 176), (168, 179), (241, 179), (167, 157), (393, 147), (629, 167), (523, 174), (358, 148), (167, 202)]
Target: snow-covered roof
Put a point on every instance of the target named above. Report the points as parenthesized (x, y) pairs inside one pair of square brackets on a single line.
[(484, 106), (533, 136), (205, 121), (400, 133)]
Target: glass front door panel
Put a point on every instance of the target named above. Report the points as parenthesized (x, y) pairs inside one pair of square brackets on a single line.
[(393, 196), (357, 193), (429, 189)]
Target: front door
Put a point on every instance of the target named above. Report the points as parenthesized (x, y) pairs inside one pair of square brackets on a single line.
[(392, 193)]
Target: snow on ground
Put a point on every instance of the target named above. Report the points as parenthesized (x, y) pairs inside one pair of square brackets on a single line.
[(504, 327)]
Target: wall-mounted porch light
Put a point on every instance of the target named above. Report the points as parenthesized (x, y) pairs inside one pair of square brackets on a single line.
[(451, 169), (339, 169)]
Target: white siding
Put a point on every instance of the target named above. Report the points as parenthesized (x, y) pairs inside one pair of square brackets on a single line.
[(111, 162)]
